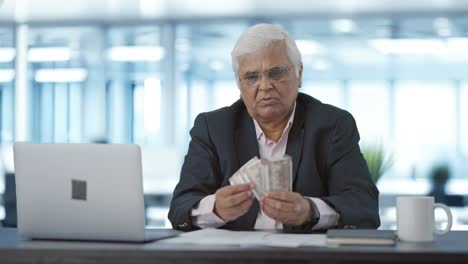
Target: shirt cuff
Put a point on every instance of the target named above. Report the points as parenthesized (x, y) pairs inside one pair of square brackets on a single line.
[(203, 215), (328, 216)]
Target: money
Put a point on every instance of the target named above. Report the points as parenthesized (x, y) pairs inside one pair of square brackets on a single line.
[(280, 172), (240, 177), (267, 175)]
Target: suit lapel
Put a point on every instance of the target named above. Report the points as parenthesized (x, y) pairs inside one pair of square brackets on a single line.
[(296, 138), (246, 139), (246, 148)]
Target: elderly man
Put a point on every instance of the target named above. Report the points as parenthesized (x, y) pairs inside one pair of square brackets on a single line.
[(331, 183)]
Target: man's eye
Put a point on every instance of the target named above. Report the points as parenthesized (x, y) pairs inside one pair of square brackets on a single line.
[(276, 74), (251, 77)]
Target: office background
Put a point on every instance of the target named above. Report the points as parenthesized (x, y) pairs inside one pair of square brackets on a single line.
[(126, 71)]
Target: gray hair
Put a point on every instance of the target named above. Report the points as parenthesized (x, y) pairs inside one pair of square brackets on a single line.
[(260, 36)]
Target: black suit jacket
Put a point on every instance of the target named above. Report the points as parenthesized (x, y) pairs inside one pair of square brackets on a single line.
[(327, 163)]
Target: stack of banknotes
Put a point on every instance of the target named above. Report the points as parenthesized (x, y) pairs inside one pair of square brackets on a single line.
[(266, 174)]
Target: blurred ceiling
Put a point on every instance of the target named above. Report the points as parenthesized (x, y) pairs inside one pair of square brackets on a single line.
[(343, 29), (116, 10)]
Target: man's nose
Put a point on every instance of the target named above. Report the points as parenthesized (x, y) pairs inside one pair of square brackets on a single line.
[(265, 83)]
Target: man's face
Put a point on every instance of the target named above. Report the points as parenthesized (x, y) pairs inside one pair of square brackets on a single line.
[(270, 96)]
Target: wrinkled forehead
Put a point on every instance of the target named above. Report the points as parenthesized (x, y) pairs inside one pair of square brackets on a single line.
[(275, 54)]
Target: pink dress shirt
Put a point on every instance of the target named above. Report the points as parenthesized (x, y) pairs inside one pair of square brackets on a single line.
[(203, 216)]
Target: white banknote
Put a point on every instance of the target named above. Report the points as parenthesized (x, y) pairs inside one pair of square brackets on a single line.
[(267, 175)]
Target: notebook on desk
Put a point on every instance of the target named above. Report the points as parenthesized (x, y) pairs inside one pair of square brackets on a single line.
[(81, 192), (361, 237)]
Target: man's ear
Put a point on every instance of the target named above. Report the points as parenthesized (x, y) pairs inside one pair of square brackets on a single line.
[(300, 75)]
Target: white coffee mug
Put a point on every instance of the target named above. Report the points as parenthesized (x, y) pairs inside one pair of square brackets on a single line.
[(415, 218)]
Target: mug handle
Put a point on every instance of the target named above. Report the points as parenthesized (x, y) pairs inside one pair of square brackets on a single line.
[(449, 219)]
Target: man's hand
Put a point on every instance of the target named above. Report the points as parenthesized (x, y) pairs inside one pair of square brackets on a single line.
[(231, 202), (289, 208)]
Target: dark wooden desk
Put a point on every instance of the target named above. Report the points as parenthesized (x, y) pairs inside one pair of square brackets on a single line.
[(451, 248)]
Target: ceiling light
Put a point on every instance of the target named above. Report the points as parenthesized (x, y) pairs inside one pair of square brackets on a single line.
[(343, 25), (308, 47), (136, 53), (49, 54), (409, 46), (442, 26), (153, 8), (61, 75), (321, 64), (7, 54), (216, 65), (7, 75)]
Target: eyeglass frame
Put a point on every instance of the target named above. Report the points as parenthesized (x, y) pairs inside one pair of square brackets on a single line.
[(284, 70)]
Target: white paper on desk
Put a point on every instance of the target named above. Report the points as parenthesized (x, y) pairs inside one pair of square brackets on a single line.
[(295, 240), (246, 238)]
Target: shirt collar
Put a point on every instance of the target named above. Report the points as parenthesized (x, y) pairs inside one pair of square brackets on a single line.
[(259, 131)]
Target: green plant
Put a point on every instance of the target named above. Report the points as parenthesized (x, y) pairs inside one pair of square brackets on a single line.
[(377, 160), (440, 174)]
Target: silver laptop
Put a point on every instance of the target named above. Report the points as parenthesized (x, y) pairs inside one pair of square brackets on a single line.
[(81, 192)]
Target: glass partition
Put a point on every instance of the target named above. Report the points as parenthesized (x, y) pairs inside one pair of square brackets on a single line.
[(7, 84), (60, 62), (7, 80)]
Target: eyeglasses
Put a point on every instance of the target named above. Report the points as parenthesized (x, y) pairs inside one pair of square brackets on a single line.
[(274, 75)]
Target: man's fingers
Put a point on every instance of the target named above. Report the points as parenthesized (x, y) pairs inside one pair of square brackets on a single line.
[(271, 212), (245, 206), (234, 189), (280, 205), (238, 198), (282, 196), (280, 216), (234, 212)]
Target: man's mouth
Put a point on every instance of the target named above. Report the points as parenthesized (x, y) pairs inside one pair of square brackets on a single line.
[(268, 100)]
